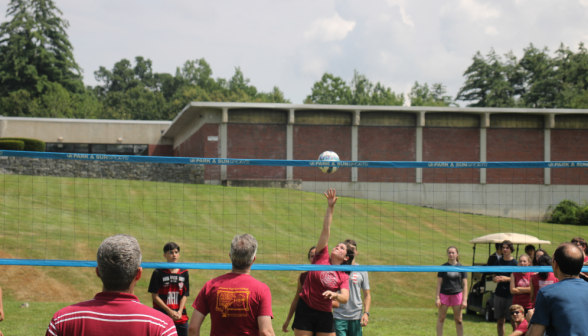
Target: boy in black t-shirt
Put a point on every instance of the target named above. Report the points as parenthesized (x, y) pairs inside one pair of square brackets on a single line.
[(170, 289), (502, 295)]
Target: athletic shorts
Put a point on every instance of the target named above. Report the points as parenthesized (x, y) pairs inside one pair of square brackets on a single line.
[(309, 319), (501, 306), (451, 300), (182, 329), (348, 327)]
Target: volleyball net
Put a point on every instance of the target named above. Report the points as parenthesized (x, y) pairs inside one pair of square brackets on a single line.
[(57, 208)]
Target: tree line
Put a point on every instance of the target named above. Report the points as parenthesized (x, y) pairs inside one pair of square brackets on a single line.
[(40, 78)]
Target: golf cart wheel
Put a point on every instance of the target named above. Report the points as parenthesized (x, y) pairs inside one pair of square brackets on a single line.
[(489, 315)]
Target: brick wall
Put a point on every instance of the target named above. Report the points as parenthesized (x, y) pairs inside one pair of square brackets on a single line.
[(451, 144), (569, 145), (249, 141), (511, 144), (197, 145), (310, 141), (161, 150), (386, 144)]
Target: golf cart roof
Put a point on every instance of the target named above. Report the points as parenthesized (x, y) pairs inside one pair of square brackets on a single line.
[(515, 238)]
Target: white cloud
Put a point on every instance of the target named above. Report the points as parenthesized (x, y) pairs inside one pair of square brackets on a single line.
[(584, 3), (491, 30), (406, 19), (329, 29), (476, 10)]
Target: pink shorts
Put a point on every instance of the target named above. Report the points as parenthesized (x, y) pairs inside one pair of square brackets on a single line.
[(451, 300)]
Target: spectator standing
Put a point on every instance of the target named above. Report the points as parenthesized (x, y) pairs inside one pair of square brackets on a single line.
[(561, 308), (170, 289), (540, 252), (238, 304), (115, 310), (502, 295), (541, 279), (520, 286), (451, 293), (352, 316), (530, 251), (496, 255), (581, 243)]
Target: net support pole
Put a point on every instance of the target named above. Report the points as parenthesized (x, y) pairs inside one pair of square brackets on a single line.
[(549, 124), (355, 143), (223, 141), (290, 143), (419, 144)]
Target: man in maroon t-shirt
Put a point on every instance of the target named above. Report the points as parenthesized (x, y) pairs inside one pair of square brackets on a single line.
[(237, 303), (114, 311)]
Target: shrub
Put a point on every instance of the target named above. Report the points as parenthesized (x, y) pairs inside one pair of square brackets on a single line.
[(31, 145), (12, 145), (567, 212)]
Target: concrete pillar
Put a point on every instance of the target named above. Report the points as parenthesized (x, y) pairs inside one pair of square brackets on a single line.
[(419, 145), (484, 124), (355, 143), (290, 143), (223, 141), (549, 124)]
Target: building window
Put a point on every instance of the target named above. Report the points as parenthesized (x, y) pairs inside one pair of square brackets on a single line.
[(125, 149)]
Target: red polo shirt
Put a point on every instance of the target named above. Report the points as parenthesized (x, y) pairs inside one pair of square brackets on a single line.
[(110, 314)]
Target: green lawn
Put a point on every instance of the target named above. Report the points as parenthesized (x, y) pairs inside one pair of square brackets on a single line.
[(384, 321), (67, 218)]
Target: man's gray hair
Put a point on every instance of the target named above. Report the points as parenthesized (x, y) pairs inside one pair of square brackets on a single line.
[(119, 259), (243, 250)]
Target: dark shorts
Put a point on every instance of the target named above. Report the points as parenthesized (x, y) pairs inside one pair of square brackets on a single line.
[(182, 329), (309, 319)]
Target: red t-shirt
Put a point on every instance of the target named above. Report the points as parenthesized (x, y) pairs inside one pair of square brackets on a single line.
[(523, 327), (522, 280), (539, 283), (234, 302), (318, 282), (111, 314)]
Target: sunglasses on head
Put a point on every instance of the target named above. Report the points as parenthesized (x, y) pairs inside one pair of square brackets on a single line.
[(516, 312)]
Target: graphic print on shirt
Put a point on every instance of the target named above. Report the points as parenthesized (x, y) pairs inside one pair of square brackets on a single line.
[(329, 279), (524, 283), (354, 277), (233, 302), (543, 283), (453, 275)]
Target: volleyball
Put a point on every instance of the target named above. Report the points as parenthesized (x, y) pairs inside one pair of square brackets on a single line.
[(328, 156)]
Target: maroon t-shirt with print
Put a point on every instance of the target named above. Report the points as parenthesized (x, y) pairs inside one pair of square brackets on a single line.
[(318, 282)]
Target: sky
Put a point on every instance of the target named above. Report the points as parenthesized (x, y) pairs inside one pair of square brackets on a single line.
[(291, 44)]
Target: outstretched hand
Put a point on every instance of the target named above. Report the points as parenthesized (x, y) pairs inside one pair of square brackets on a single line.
[(331, 196)]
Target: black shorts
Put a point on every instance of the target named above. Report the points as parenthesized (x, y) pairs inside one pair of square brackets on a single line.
[(309, 319)]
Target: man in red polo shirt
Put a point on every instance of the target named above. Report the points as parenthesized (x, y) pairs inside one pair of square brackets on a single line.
[(115, 310), (237, 303)]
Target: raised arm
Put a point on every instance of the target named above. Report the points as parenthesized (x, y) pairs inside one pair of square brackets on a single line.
[(326, 232)]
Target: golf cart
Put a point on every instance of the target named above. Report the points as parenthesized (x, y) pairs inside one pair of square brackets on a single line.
[(481, 292)]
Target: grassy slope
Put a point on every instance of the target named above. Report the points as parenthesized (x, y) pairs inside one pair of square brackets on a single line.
[(66, 218)]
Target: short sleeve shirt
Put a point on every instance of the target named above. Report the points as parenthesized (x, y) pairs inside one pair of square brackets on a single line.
[(319, 282), (539, 283), (503, 288), (522, 280), (353, 309), (234, 302), (523, 327), (452, 281), (171, 289), (562, 308)]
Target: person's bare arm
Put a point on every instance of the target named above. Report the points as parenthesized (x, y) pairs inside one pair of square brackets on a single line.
[(516, 333), (342, 297), (536, 330), (170, 312), (464, 300), (293, 306), (438, 292), (335, 304), (196, 323), (367, 303), (326, 232), (265, 326), (1, 308), (181, 308)]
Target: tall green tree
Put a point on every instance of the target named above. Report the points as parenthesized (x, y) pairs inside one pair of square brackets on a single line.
[(35, 52), (423, 95)]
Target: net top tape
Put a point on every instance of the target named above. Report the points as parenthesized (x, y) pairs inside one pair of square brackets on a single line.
[(293, 163), (288, 267)]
